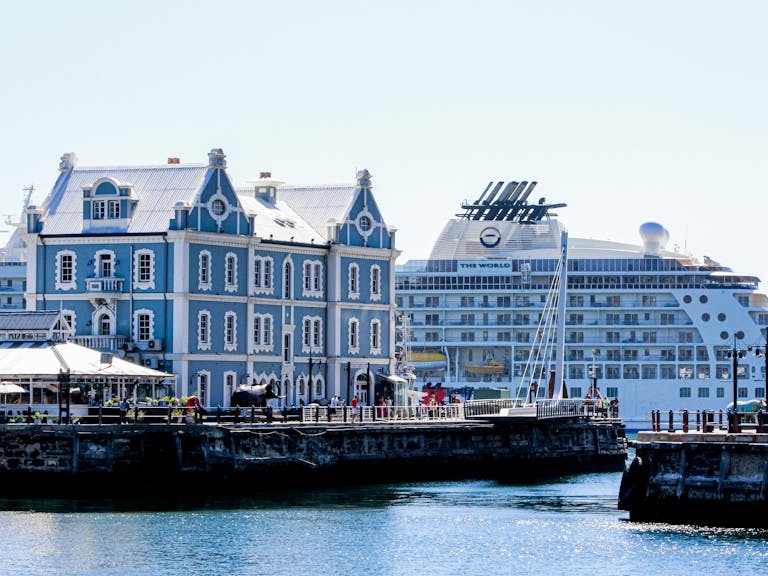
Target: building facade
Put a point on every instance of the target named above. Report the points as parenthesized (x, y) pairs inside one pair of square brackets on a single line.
[(174, 267)]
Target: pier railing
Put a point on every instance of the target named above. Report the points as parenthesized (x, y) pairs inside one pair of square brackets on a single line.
[(423, 413), (544, 409), (708, 421)]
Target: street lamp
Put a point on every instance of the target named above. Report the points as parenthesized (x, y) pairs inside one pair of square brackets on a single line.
[(762, 350), (735, 354), (311, 385), (593, 375)]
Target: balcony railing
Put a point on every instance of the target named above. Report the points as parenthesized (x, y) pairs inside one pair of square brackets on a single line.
[(104, 284), (106, 343)]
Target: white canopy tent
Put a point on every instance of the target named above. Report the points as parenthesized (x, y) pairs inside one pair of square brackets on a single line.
[(37, 365)]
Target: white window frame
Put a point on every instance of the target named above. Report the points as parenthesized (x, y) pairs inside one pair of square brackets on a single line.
[(230, 344), (230, 272), (375, 282), (353, 281), (227, 394), (62, 284), (311, 326), (98, 209), (97, 263), (263, 326), (71, 318), (204, 337), (319, 386), (138, 282), (203, 391), (151, 328), (312, 284), (375, 337), (263, 274), (204, 283), (287, 279), (113, 209), (353, 335)]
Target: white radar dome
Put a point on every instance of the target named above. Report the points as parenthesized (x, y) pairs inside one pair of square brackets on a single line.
[(655, 237)]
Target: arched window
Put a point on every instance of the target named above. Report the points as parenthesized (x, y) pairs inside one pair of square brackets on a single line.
[(353, 282), (287, 280), (105, 325)]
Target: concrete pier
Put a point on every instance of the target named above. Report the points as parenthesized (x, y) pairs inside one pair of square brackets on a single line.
[(86, 459), (716, 478)]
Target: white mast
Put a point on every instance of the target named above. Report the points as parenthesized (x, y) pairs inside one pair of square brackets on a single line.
[(559, 361)]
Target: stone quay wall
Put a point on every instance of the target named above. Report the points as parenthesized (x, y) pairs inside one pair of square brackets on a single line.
[(156, 456), (717, 479)]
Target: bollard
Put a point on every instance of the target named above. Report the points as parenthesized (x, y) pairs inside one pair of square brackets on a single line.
[(685, 420), (671, 421), (698, 421)]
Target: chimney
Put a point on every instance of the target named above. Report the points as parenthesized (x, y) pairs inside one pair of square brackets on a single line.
[(174, 160)]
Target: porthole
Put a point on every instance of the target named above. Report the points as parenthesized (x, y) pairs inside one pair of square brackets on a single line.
[(703, 299), (687, 299), (721, 317), (739, 335), (724, 335), (705, 317)]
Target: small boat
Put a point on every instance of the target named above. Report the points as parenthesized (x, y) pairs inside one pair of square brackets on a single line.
[(426, 360), (493, 367)]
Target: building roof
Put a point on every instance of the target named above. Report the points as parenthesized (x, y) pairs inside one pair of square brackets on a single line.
[(24, 320), (157, 189), (278, 221), (319, 204), (24, 360)]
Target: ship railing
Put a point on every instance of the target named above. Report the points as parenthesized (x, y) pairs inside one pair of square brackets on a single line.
[(347, 414)]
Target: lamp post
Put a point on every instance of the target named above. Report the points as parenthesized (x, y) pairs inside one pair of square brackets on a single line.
[(593, 375), (735, 354), (762, 350), (310, 385)]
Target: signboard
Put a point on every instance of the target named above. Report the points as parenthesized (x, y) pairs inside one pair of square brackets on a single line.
[(485, 268)]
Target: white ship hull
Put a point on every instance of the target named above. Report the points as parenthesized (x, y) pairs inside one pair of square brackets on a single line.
[(656, 326)]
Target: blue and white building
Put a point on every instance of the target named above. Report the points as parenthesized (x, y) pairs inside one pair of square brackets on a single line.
[(178, 269)]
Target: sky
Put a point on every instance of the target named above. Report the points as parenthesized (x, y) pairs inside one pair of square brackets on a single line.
[(626, 111)]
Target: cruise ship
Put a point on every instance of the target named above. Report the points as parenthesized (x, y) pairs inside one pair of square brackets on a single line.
[(654, 328)]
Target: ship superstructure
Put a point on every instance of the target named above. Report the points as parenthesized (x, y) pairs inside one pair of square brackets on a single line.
[(649, 326)]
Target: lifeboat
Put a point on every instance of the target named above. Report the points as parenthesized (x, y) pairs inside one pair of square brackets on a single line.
[(493, 367)]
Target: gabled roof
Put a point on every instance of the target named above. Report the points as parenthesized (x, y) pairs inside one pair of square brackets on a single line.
[(24, 320), (157, 188), (318, 204)]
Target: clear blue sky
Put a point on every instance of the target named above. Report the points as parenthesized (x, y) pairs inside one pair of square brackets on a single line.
[(627, 111)]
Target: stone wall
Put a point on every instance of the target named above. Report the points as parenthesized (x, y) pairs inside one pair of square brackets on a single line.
[(260, 455), (710, 479)]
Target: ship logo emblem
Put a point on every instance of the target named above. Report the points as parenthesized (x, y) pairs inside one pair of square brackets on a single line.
[(490, 237)]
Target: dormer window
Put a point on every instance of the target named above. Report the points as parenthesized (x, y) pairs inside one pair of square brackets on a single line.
[(105, 202)]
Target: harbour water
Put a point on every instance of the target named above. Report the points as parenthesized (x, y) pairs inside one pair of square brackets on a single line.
[(570, 525)]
